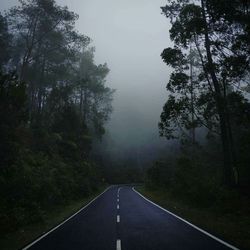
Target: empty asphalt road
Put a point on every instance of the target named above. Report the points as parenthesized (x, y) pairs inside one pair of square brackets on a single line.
[(121, 219)]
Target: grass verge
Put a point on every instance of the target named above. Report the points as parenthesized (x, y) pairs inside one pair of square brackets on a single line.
[(23, 236), (232, 226)]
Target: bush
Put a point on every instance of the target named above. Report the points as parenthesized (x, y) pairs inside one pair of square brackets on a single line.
[(188, 179)]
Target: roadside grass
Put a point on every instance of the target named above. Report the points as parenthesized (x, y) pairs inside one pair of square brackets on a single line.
[(229, 222), (27, 234)]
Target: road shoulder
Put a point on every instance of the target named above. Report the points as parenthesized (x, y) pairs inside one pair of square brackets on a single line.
[(21, 238), (222, 227)]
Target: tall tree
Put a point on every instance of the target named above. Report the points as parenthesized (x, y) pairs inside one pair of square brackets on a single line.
[(93, 96), (5, 41), (46, 46), (219, 38)]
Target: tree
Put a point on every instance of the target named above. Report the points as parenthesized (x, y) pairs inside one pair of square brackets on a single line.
[(93, 96), (216, 34), (5, 42), (47, 46), (49, 112), (13, 116)]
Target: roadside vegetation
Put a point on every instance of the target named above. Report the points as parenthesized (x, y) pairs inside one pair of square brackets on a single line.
[(206, 177), (187, 189), (228, 220), (54, 104), (28, 232)]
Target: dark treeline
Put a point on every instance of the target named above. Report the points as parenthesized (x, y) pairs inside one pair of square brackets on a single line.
[(208, 107), (123, 164), (53, 105)]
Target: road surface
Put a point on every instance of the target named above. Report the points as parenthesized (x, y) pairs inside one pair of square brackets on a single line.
[(121, 219)]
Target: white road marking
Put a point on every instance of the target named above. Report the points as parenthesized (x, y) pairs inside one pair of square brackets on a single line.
[(118, 192), (53, 229), (190, 224), (118, 245), (118, 242)]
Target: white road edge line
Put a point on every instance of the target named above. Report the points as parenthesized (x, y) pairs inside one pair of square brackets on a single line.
[(118, 245), (53, 229), (190, 224), (118, 218)]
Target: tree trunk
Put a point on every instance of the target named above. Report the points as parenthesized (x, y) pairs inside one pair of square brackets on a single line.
[(31, 35), (192, 98), (81, 100), (229, 177), (85, 103), (41, 87)]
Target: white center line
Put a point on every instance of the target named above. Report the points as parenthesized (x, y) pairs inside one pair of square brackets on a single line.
[(118, 218), (118, 207), (118, 200), (118, 245)]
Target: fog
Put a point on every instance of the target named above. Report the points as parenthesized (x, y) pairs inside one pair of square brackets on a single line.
[(80, 103), (129, 36)]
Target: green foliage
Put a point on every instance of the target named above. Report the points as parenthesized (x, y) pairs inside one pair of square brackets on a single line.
[(13, 100), (13, 116), (160, 175), (211, 63), (40, 168), (173, 57), (192, 181), (5, 41), (94, 97), (188, 23), (49, 113)]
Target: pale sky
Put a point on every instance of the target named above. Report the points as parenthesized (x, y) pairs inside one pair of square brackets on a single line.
[(129, 35)]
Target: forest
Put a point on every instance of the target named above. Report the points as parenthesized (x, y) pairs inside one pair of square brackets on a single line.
[(55, 104), (207, 107), (208, 112)]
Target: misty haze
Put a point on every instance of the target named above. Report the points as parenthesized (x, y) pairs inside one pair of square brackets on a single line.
[(124, 125)]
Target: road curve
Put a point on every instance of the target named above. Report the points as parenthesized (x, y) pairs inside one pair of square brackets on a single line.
[(121, 219)]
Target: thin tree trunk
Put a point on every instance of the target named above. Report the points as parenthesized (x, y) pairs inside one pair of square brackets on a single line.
[(28, 52), (85, 103), (40, 87), (192, 98), (81, 100), (220, 103)]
